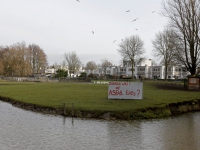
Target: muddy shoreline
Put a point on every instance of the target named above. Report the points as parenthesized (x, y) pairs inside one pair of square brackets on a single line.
[(146, 113)]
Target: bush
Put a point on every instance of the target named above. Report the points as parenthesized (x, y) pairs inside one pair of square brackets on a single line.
[(83, 74), (61, 73), (91, 75)]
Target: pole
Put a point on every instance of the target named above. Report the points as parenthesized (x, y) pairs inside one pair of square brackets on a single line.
[(64, 109), (72, 109)]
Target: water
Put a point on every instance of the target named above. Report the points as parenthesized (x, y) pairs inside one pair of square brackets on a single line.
[(26, 130)]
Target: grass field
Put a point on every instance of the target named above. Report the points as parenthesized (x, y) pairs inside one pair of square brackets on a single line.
[(88, 96)]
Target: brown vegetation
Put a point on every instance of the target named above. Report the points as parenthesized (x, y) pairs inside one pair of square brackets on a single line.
[(20, 60)]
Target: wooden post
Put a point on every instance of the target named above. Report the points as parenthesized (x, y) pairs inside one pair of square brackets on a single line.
[(64, 109), (72, 109)]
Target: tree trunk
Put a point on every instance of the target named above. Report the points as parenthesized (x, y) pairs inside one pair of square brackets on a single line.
[(132, 64), (193, 69), (166, 72)]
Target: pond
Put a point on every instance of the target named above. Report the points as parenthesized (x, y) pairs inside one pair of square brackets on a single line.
[(26, 130)]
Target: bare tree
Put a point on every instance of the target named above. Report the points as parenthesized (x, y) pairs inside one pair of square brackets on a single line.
[(9, 60), (1, 61), (4, 59), (164, 48), (41, 60), (91, 65), (73, 62), (17, 59), (155, 63), (105, 64), (20, 68), (184, 16), (37, 58), (131, 49)]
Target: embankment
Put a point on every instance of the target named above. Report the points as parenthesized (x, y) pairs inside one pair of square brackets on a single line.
[(145, 113)]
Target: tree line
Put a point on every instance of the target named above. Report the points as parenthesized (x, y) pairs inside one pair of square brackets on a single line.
[(21, 60), (74, 64)]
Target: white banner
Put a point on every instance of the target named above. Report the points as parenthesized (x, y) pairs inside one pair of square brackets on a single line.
[(125, 90)]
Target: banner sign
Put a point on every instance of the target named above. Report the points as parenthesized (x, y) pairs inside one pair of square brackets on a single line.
[(125, 90)]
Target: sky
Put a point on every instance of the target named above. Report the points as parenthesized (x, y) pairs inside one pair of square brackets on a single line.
[(63, 26)]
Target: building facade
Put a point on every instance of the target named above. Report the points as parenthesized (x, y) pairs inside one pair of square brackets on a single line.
[(144, 68)]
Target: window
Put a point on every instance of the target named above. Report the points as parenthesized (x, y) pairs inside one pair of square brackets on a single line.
[(156, 69), (141, 69)]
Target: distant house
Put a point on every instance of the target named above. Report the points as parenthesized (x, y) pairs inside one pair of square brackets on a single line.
[(49, 71), (143, 68)]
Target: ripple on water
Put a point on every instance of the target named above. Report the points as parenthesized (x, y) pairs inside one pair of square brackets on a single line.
[(26, 130)]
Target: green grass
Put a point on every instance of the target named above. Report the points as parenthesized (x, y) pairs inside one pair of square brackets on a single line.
[(91, 96)]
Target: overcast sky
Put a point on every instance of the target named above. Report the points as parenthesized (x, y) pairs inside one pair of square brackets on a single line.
[(62, 26)]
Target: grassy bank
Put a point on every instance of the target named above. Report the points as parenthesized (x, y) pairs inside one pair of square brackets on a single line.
[(93, 97)]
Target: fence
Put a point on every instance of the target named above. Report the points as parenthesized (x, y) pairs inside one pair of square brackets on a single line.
[(29, 79), (44, 79)]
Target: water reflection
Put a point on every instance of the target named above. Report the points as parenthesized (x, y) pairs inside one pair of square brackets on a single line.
[(126, 135), (22, 130), (181, 133)]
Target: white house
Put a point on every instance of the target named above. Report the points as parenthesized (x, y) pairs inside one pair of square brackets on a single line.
[(145, 68), (142, 68)]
